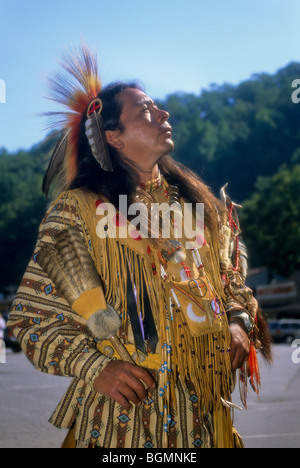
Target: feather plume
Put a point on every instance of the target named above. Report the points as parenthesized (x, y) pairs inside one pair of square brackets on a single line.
[(75, 260), (71, 268), (98, 144), (69, 265), (73, 88), (253, 369), (243, 258), (51, 262), (56, 161)]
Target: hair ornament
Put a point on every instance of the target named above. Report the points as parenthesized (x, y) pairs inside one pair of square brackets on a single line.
[(94, 130), (95, 106), (76, 88)]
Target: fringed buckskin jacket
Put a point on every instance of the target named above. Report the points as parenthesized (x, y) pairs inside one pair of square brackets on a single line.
[(174, 323)]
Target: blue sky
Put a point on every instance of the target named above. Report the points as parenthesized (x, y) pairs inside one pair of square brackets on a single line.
[(170, 45)]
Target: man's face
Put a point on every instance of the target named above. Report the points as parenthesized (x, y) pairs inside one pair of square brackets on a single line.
[(146, 135)]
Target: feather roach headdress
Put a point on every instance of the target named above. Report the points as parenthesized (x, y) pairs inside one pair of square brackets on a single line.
[(77, 89)]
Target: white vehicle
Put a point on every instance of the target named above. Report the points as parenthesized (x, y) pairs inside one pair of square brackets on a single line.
[(285, 330)]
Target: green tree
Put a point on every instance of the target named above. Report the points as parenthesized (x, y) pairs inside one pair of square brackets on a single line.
[(271, 221), (241, 134), (236, 133), (22, 205)]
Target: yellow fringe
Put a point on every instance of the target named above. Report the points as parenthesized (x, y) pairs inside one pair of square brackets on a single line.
[(203, 359)]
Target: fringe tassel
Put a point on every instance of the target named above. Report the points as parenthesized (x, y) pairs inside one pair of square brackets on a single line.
[(210, 258), (224, 436), (203, 359)]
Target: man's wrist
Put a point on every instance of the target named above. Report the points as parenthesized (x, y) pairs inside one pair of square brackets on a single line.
[(243, 319)]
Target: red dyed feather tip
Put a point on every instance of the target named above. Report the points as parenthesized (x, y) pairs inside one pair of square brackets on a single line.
[(253, 369)]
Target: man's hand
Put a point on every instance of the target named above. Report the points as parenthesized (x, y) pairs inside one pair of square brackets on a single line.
[(121, 381), (240, 344)]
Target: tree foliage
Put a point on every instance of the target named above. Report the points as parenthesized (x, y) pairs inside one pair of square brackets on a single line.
[(22, 205), (236, 133), (272, 221), (247, 135)]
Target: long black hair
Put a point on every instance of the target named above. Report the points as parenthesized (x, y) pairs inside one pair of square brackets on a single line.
[(124, 180)]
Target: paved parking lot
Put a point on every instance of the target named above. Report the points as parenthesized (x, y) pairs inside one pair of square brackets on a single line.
[(273, 420), (28, 398)]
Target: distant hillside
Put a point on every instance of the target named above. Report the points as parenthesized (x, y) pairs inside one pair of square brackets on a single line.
[(247, 135), (236, 133)]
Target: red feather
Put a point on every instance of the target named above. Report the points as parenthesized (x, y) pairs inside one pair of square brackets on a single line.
[(253, 369)]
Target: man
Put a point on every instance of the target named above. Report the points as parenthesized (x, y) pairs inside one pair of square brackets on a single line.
[(187, 321)]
